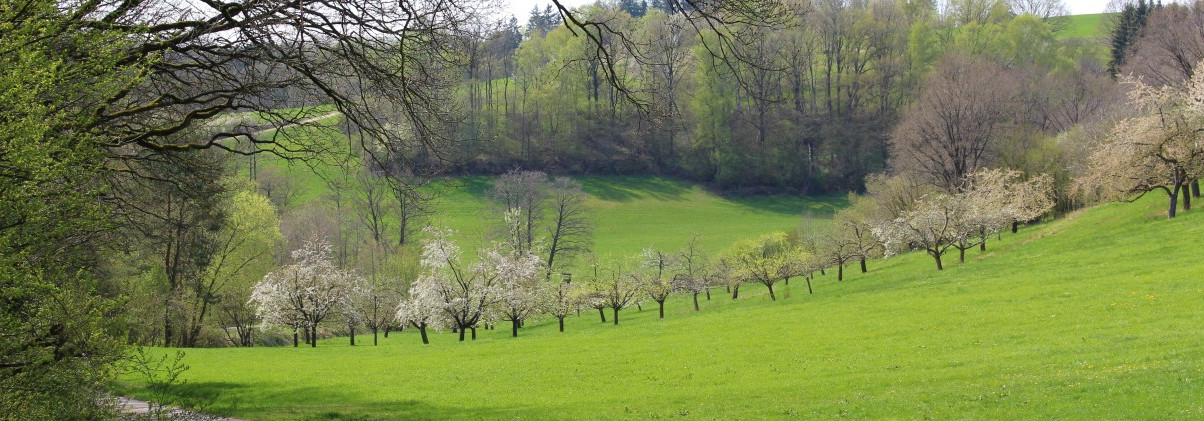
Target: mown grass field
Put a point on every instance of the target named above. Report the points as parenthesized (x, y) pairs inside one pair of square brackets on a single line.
[(1095, 316)]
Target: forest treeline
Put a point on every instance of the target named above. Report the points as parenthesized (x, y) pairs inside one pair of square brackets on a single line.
[(809, 106)]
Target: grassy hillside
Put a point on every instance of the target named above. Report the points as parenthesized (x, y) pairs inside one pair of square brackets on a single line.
[(1096, 316), (1084, 26), (630, 213)]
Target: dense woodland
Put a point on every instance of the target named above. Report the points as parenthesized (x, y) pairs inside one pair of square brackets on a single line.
[(141, 206), (810, 106)]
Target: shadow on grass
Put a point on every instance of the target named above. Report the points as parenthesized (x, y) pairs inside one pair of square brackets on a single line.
[(820, 206), (477, 186), (610, 188), (414, 410), (627, 188), (474, 185), (206, 398), (270, 401)]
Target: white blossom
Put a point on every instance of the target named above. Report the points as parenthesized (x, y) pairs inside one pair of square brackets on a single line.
[(304, 293), (469, 292)]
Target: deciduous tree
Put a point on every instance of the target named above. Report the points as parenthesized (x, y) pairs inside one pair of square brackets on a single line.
[(693, 273), (1161, 149), (931, 225), (569, 228), (249, 244), (619, 289), (566, 297), (470, 290), (305, 293), (523, 193), (423, 307), (522, 290), (946, 134), (656, 273), (765, 260)]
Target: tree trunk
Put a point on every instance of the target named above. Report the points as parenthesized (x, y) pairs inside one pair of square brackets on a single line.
[(708, 293), (313, 336), (840, 272), (1174, 202), (938, 261), (695, 301), (375, 342), (422, 331), (1015, 226), (661, 308), (863, 269), (616, 315), (771, 296), (513, 328), (561, 323), (474, 333), (295, 334), (461, 330), (387, 329), (809, 291), (961, 254), (1186, 197), (736, 292), (1195, 188), (602, 314), (821, 272)]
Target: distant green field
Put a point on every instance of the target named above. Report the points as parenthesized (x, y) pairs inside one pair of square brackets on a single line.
[(630, 213), (633, 213), (1095, 316), (1084, 26)]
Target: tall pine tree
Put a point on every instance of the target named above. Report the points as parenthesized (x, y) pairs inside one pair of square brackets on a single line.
[(635, 8), (1128, 27), (543, 20), (662, 5)]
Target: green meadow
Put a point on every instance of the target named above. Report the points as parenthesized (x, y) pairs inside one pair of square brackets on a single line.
[(633, 213), (1084, 26), (1094, 316), (630, 213)]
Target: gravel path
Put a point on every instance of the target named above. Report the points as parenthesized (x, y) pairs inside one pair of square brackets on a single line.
[(139, 409)]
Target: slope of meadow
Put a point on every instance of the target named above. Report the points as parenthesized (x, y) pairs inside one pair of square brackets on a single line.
[(1084, 26), (1095, 316), (630, 213)]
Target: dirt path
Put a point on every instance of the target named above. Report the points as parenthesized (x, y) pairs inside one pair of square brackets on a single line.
[(225, 120), (312, 119), (305, 121)]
